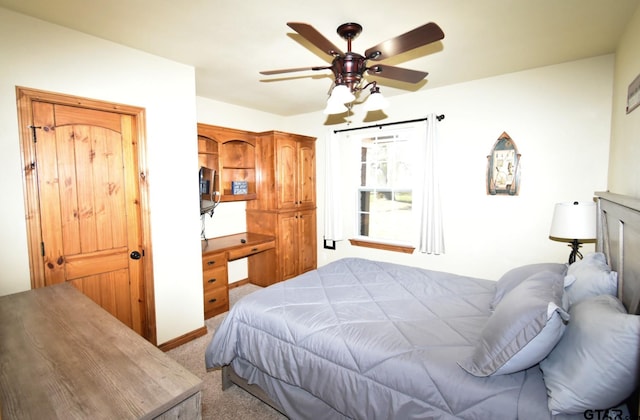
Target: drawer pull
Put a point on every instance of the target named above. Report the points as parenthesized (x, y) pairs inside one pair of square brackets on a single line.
[(254, 249), (210, 262), (211, 281), (212, 300)]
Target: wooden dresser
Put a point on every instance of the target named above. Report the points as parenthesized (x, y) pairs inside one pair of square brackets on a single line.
[(64, 357)]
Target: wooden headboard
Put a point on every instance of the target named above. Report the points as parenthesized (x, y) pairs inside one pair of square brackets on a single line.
[(619, 239)]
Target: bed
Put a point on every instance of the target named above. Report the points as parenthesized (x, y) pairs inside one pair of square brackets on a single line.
[(367, 339)]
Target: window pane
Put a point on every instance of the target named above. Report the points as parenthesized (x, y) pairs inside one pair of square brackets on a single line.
[(385, 195), (386, 215)]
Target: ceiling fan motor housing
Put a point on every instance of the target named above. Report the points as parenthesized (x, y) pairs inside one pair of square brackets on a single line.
[(348, 69)]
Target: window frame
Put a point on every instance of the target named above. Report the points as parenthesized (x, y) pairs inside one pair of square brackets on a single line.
[(406, 133)]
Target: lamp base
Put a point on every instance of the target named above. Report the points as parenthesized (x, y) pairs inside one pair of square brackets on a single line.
[(575, 251)]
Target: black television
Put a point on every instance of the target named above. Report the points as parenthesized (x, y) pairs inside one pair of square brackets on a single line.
[(207, 192)]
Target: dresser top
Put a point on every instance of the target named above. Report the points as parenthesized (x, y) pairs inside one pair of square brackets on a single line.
[(63, 356)]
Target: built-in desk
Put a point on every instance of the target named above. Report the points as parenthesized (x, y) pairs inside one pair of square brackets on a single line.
[(64, 357), (239, 245), (216, 252)]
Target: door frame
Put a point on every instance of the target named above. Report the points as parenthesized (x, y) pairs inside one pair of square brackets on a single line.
[(24, 97)]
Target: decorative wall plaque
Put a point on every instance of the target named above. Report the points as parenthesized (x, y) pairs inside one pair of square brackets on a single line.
[(503, 167)]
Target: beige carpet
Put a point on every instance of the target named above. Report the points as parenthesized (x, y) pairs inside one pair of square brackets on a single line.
[(234, 403)]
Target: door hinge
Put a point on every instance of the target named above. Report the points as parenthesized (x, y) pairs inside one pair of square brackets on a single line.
[(33, 132), (42, 248)]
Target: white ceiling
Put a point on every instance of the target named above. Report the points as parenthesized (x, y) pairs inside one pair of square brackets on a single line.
[(230, 41)]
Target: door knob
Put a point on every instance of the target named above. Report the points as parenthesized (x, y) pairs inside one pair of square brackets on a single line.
[(135, 255)]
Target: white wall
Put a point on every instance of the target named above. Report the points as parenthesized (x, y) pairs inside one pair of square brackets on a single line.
[(625, 132), (43, 56), (559, 118)]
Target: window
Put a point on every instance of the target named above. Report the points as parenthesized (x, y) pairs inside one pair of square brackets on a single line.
[(385, 191)]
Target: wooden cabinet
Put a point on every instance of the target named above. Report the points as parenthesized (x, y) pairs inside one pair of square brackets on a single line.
[(231, 153), (215, 283), (287, 166), (286, 204), (297, 231), (295, 244)]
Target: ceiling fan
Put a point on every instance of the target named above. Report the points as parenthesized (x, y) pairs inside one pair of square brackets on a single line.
[(349, 67)]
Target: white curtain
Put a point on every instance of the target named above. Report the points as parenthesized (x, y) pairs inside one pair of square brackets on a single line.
[(332, 189), (431, 240)]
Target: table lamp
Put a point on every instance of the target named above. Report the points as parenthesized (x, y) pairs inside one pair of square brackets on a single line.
[(573, 222)]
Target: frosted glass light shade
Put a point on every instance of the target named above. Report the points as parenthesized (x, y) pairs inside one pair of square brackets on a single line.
[(342, 94), (375, 102), (334, 107), (574, 220)]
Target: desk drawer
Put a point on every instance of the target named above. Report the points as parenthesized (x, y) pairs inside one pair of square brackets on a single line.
[(216, 301), (214, 277), (245, 251), (210, 261)]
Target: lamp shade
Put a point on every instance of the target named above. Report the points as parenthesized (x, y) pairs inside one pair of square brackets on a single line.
[(342, 94), (375, 102), (334, 107), (574, 220)]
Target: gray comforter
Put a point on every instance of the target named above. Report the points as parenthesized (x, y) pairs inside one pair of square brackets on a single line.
[(372, 340)]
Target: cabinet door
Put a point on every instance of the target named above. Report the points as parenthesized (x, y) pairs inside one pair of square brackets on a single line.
[(306, 174), (287, 172), (288, 245), (307, 258)]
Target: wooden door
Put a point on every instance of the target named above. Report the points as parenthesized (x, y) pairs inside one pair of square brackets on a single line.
[(306, 173), (288, 245), (307, 259), (88, 195), (287, 172)]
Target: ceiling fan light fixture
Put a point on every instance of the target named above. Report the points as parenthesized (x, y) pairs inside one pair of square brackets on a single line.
[(375, 101), (349, 67), (342, 94), (334, 107)]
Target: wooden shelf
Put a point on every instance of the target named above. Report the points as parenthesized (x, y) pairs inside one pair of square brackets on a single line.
[(233, 152), (227, 196)]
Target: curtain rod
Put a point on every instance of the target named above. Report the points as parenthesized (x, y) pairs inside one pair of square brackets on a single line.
[(438, 117)]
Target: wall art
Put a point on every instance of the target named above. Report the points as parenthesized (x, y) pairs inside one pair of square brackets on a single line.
[(503, 167)]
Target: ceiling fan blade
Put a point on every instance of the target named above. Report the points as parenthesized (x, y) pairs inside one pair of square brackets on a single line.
[(280, 71), (316, 38), (397, 73), (423, 35)]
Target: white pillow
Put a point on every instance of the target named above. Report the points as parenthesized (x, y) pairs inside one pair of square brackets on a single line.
[(595, 364), (525, 326), (589, 277)]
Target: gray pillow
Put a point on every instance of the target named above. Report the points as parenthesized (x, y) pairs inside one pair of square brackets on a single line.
[(517, 275), (526, 324), (589, 277), (595, 364)]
